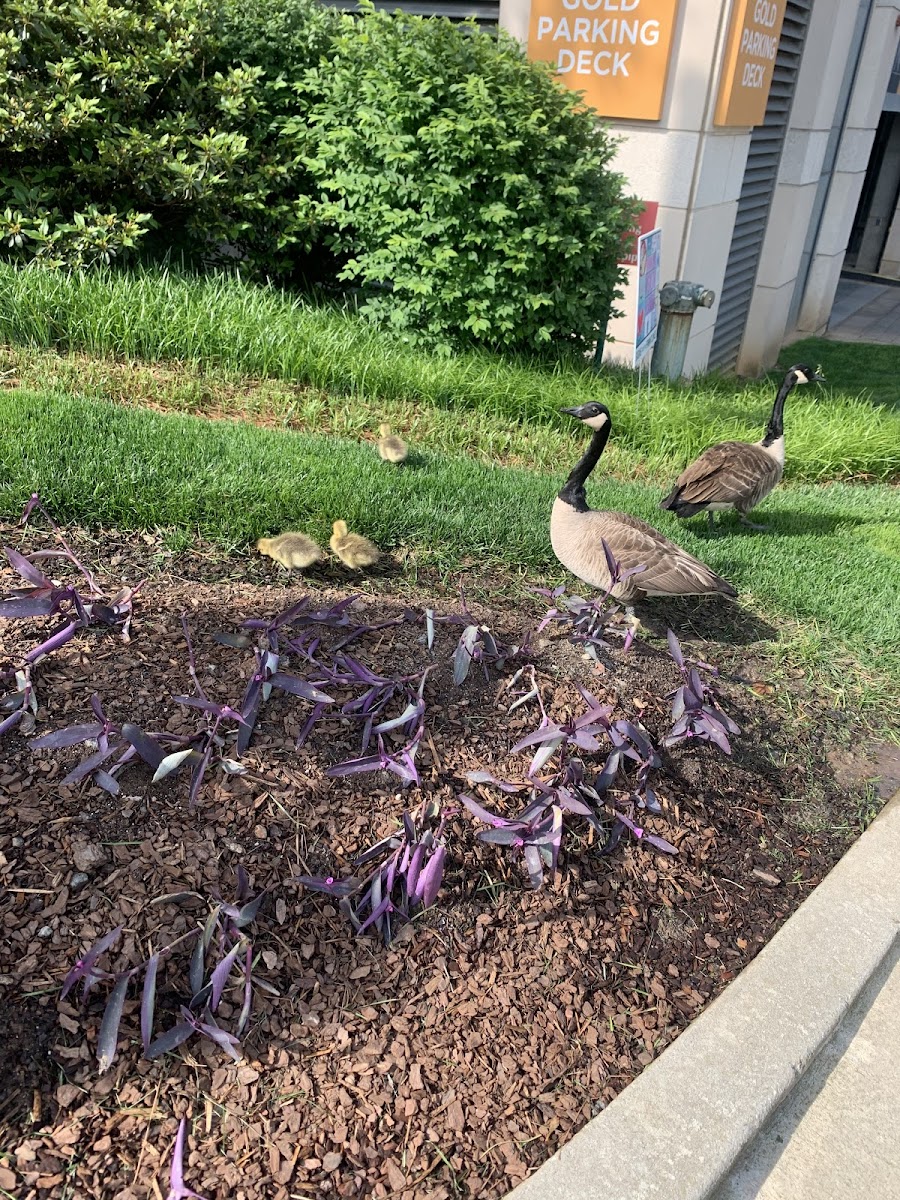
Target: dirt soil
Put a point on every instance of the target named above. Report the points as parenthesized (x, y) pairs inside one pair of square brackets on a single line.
[(455, 1061)]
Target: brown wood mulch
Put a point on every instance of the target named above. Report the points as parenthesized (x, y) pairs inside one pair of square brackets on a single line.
[(451, 1063)]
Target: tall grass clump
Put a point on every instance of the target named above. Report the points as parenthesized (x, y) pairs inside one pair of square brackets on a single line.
[(221, 321)]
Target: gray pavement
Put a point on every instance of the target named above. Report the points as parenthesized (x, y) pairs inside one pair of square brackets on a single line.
[(865, 312), (785, 1088), (836, 1136)]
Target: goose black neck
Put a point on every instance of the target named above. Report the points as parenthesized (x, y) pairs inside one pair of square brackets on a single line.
[(775, 428), (573, 491)]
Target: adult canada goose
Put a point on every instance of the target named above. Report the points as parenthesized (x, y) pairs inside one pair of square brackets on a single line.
[(738, 474), (391, 448), (576, 532), (354, 550), (291, 550)]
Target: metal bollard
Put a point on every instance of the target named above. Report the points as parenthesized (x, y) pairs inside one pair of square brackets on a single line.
[(678, 301)]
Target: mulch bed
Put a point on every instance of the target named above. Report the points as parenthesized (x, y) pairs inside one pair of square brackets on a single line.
[(450, 1064)]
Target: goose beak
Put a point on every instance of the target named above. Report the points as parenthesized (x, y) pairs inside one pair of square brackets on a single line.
[(817, 376), (576, 411)]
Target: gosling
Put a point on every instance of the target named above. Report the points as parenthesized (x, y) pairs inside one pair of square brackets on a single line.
[(391, 448), (292, 550), (354, 550)]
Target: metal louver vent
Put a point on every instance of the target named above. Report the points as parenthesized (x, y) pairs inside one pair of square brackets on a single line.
[(485, 12), (760, 173)]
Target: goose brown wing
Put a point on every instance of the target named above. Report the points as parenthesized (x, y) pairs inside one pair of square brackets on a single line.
[(724, 473), (668, 570)]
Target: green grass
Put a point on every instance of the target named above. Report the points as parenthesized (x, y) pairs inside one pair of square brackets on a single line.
[(220, 323), (854, 368), (832, 560)]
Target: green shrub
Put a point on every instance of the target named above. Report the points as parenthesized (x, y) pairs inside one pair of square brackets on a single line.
[(472, 193), (105, 124), (117, 119)]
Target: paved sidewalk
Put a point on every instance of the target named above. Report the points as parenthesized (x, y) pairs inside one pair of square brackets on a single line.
[(786, 1087), (865, 312), (836, 1137)]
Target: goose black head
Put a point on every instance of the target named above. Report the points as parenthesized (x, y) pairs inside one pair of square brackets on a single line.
[(594, 414), (803, 373)]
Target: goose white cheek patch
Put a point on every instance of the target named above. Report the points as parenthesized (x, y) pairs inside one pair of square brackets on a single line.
[(597, 422)]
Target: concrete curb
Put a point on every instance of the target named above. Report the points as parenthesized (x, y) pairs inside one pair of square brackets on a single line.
[(680, 1127)]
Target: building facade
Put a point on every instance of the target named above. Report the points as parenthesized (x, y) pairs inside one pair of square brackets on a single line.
[(750, 125)]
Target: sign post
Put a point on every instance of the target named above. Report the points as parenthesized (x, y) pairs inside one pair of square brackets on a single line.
[(615, 51), (647, 314)]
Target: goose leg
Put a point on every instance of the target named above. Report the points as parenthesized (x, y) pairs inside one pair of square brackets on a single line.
[(753, 525), (711, 522)]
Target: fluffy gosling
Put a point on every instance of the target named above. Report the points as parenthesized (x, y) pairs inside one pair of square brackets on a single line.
[(292, 550), (354, 550), (391, 448)]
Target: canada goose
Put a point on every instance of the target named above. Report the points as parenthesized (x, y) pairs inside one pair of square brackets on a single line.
[(291, 550), (576, 532), (353, 549), (738, 474), (391, 448)]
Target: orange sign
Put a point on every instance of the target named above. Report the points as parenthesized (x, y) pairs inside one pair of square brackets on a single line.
[(615, 51), (749, 61)]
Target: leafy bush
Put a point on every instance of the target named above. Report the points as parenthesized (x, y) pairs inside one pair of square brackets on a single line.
[(117, 119), (472, 193)]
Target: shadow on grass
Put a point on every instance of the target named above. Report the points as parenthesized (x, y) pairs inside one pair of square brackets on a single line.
[(710, 618), (779, 523)]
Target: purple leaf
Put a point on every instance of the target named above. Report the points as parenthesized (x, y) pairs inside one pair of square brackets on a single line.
[(482, 813), (248, 991), (219, 977), (177, 1189), (107, 782), (170, 1039), (228, 1042), (248, 911), (505, 785), (87, 765), (414, 868), (84, 966), (11, 721), (171, 763), (250, 706), (147, 747), (547, 732), (197, 777), (299, 687), (333, 887), (615, 836), (38, 603), (510, 836), (67, 737), (52, 643), (534, 866), (195, 970), (26, 569), (108, 1037), (660, 843), (383, 907), (675, 648), (611, 563), (464, 653), (430, 878), (148, 1000), (357, 766)]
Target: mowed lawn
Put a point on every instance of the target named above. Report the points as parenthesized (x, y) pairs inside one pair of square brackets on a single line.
[(831, 561)]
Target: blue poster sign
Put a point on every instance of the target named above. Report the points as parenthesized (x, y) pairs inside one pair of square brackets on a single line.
[(647, 315)]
